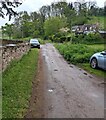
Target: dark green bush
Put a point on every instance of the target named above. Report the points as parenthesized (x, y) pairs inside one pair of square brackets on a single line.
[(68, 39)]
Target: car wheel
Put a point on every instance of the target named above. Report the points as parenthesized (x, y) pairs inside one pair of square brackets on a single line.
[(39, 47), (94, 63)]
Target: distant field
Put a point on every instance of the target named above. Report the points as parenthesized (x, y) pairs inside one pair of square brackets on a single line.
[(99, 46)]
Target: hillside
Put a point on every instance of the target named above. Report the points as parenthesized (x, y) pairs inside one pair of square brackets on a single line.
[(99, 20)]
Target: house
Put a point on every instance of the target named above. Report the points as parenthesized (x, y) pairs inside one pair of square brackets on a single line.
[(85, 29)]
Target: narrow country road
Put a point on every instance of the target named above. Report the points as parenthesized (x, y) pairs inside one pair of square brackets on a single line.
[(67, 91)]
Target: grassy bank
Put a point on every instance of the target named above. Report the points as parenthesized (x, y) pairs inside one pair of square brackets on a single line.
[(98, 72), (79, 54), (17, 83), (101, 20), (0, 96)]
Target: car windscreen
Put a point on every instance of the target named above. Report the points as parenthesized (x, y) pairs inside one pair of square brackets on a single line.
[(103, 53)]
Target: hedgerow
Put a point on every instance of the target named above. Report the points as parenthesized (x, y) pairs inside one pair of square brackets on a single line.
[(77, 53), (88, 39)]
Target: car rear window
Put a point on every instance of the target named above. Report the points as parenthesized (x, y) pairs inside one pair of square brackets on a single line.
[(33, 40)]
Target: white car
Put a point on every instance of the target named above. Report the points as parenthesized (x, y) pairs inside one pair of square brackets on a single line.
[(35, 43), (98, 60)]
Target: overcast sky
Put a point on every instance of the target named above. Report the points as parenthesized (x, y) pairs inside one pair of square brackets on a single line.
[(35, 5)]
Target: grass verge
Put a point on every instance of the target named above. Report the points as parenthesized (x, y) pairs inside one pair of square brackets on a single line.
[(98, 72), (0, 96), (16, 85)]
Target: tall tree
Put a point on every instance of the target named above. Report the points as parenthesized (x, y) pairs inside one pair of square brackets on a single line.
[(34, 16), (54, 24), (8, 30)]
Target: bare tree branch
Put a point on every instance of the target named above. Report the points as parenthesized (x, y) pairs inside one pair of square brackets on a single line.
[(6, 8)]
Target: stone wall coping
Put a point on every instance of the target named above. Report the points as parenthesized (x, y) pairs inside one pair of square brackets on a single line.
[(14, 45)]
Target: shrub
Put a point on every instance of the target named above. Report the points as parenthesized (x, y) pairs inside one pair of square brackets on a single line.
[(88, 39)]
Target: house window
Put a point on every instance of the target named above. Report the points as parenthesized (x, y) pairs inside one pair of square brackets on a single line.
[(90, 28), (86, 28)]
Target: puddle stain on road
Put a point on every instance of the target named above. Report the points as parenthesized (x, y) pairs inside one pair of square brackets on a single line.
[(93, 95)]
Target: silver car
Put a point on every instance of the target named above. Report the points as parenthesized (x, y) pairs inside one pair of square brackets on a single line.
[(34, 43), (98, 60)]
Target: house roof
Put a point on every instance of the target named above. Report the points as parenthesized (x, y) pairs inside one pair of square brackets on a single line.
[(102, 32)]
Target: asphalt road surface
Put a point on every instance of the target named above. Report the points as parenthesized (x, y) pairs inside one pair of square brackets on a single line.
[(66, 91)]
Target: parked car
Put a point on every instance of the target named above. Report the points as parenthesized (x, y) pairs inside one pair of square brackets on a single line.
[(98, 60), (35, 43)]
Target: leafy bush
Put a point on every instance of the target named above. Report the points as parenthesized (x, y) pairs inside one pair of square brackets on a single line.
[(88, 39), (77, 53), (54, 24), (41, 41), (58, 37)]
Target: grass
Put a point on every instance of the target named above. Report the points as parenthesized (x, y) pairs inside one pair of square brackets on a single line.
[(86, 66), (0, 96), (98, 72), (17, 84), (98, 46), (100, 20), (95, 46)]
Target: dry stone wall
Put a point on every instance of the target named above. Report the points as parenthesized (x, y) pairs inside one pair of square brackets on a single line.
[(11, 52)]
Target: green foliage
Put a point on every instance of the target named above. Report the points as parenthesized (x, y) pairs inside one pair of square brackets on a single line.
[(91, 38), (51, 18), (17, 85), (52, 25), (80, 54), (7, 30), (35, 34), (77, 53), (98, 19), (80, 20), (98, 72), (58, 37), (41, 41)]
